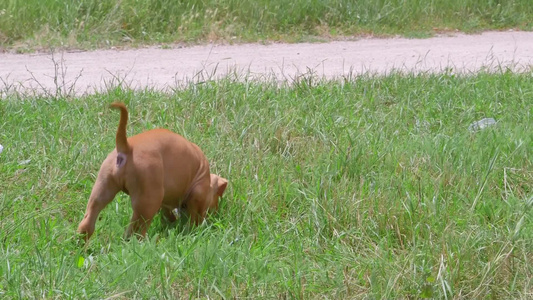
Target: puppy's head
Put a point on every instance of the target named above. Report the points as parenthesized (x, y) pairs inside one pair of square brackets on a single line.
[(218, 186)]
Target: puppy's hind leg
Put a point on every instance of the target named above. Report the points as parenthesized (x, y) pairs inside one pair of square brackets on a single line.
[(102, 193), (143, 214)]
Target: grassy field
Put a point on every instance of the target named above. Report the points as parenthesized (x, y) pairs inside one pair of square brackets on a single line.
[(29, 24), (369, 188)]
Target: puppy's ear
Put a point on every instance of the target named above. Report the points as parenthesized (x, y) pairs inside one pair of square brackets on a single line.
[(222, 184)]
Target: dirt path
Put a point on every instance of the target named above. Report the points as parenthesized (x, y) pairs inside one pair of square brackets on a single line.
[(164, 68)]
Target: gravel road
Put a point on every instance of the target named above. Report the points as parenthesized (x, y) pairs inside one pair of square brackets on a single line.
[(162, 68)]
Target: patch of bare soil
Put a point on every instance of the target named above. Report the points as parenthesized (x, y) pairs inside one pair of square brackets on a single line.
[(86, 72)]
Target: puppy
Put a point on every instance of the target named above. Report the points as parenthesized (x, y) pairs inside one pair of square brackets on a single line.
[(159, 169)]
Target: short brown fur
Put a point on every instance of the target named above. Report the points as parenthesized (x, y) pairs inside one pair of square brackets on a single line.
[(159, 169)]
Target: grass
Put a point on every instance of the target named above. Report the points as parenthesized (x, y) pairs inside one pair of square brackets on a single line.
[(29, 24), (369, 188)]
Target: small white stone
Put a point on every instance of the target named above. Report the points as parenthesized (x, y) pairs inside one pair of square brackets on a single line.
[(176, 213), (481, 124)]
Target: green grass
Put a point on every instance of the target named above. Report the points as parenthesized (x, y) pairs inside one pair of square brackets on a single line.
[(30, 24), (368, 188)]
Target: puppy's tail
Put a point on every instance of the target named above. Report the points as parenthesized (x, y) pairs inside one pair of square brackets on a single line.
[(121, 139)]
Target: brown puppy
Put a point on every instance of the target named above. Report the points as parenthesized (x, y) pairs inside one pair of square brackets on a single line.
[(159, 169)]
